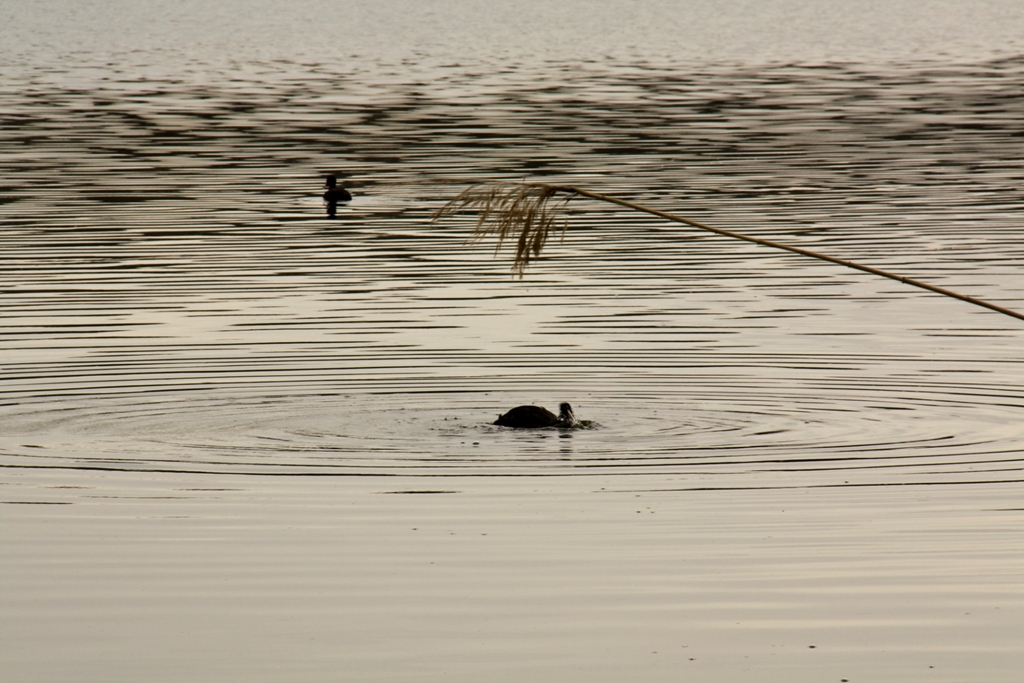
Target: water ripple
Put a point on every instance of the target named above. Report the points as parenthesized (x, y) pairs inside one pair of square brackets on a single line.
[(174, 298)]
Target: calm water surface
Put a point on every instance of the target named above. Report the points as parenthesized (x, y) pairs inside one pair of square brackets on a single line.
[(243, 441)]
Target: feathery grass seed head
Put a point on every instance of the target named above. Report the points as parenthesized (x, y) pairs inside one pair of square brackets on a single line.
[(520, 211)]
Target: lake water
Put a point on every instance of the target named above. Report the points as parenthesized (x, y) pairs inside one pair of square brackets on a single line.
[(242, 441)]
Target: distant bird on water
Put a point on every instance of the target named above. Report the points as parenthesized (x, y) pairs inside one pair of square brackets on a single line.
[(334, 194), (535, 417)]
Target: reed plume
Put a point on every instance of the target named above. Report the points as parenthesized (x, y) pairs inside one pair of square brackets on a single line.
[(512, 210), (523, 211)]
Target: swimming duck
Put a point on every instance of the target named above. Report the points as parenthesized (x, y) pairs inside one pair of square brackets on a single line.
[(335, 193), (535, 417)]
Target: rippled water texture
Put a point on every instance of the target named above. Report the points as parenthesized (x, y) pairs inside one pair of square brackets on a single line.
[(174, 291), (191, 349)]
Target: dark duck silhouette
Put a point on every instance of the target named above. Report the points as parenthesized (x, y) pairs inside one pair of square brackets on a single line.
[(334, 194), (535, 417)]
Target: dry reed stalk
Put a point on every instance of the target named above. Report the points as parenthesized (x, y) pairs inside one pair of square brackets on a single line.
[(510, 209), (519, 210)]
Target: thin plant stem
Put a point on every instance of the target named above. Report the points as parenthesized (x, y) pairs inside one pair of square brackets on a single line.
[(522, 211)]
